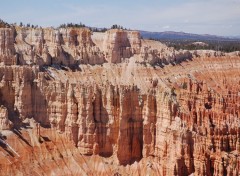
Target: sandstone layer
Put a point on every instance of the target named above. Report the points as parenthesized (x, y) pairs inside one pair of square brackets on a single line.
[(112, 103)]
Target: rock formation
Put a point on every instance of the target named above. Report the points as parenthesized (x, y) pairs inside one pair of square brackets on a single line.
[(101, 95), (4, 120)]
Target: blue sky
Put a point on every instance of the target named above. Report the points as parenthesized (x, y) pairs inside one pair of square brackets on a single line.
[(220, 17)]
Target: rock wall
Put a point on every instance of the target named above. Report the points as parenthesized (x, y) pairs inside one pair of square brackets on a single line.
[(187, 122), (184, 118), (119, 45), (70, 46), (75, 46), (7, 50), (4, 119)]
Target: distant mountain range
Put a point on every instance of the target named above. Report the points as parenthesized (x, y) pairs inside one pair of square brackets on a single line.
[(171, 35)]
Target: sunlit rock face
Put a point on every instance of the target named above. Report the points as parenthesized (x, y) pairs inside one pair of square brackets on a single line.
[(135, 104)]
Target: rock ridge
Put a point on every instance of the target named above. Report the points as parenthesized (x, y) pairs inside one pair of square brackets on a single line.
[(183, 118)]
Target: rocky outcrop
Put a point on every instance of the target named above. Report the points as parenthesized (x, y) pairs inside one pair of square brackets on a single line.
[(7, 41), (70, 46), (180, 119), (5, 123), (155, 53), (75, 46), (187, 121), (7, 50), (119, 45)]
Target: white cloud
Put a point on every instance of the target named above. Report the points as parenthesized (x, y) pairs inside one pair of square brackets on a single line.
[(199, 16), (166, 27)]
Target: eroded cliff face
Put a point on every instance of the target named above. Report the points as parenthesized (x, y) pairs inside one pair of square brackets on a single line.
[(179, 119), (75, 46)]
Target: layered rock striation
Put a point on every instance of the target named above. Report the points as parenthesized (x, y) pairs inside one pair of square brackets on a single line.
[(75, 46), (183, 118)]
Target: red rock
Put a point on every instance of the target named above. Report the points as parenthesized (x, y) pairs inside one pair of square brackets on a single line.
[(123, 116)]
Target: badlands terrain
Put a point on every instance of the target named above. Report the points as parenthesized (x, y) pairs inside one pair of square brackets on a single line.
[(74, 102)]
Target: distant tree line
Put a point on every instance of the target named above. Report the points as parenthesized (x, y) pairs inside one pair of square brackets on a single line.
[(224, 46), (94, 29), (79, 25), (65, 25), (4, 24), (115, 26), (28, 25)]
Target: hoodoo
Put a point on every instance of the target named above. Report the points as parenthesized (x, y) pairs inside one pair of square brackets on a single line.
[(77, 102)]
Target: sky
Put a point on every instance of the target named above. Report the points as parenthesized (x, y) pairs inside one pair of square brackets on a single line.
[(218, 17)]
